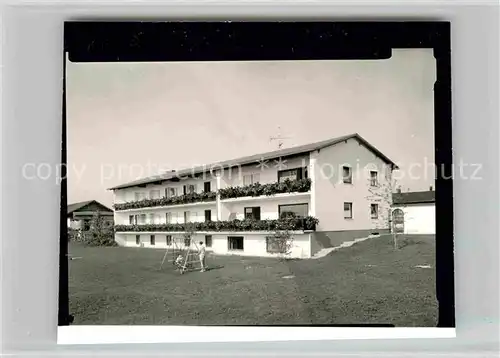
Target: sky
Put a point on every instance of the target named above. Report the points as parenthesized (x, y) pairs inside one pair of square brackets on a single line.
[(130, 120)]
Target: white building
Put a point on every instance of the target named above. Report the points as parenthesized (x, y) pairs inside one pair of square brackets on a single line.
[(417, 211), (236, 203)]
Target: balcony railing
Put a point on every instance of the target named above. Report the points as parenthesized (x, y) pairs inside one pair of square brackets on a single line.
[(175, 200), (257, 189), (286, 186), (292, 224)]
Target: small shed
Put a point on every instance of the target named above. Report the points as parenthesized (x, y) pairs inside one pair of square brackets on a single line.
[(80, 214)]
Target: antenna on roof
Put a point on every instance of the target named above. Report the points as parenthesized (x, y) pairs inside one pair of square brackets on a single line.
[(279, 138)]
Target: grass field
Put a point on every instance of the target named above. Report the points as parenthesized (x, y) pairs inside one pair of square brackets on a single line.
[(369, 282)]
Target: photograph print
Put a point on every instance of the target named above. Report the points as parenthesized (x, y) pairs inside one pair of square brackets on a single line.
[(213, 179)]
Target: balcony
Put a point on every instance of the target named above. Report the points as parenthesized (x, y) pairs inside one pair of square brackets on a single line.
[(253, 190), (176, 200), (293, 224)]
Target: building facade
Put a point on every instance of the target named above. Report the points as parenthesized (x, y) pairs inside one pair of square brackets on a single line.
[(326, 193)]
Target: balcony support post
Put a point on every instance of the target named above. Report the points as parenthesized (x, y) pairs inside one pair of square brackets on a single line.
[(312, 176), (217, 199)]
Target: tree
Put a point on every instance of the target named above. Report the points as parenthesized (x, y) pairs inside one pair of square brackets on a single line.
[(281, 241), (189, 231), (381, 193), (99, 234)]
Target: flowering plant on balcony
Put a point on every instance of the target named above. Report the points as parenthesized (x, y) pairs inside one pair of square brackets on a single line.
[(257, 189), (175, 200), (307, 223)]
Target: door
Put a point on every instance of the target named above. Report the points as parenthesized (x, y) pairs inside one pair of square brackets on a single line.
[(235, 243)]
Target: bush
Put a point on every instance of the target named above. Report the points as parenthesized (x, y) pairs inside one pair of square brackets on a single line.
[(72, 235), (99, 234)]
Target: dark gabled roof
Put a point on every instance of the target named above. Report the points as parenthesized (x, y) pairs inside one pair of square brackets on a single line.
[(76, 206), (256, 158), (415, 197)]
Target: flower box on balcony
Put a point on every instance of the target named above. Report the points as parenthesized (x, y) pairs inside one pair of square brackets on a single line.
[(294, 224), (257, 189), (176, 200)]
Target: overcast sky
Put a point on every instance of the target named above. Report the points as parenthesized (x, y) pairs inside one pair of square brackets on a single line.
[(122, 116)]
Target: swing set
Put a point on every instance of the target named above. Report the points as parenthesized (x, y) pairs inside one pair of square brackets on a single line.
[(187, 250)]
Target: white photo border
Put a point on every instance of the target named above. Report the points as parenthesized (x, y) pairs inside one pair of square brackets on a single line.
[(31, 118)]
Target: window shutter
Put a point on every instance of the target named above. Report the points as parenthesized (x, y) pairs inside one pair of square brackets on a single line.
[(256, 213)]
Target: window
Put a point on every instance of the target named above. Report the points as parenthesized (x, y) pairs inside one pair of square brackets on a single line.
[(170, 192), (297, 210), (347, 210), (131, 220), (235, 243), (137, 239), (151, 218), (374, 211), (208, 215), (347, 175), (139, 196), (187, 216), (250, 179), (290, 174), (274, 246), (252, 213), (172, 218), (208, 240), (169, 240), (154, 194), (189, 189), (168, 218), (152, 240), (187, 242), (141, 219), (373, 178), (207, 187)]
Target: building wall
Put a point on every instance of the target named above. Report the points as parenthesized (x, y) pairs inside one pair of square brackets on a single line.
[(419, 218), (330, 192), (326, 239), (254, 243)]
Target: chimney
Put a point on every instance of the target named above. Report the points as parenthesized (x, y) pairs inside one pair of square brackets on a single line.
[(430, 188)]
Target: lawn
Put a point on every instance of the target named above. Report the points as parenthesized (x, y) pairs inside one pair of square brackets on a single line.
[(369, 282)]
